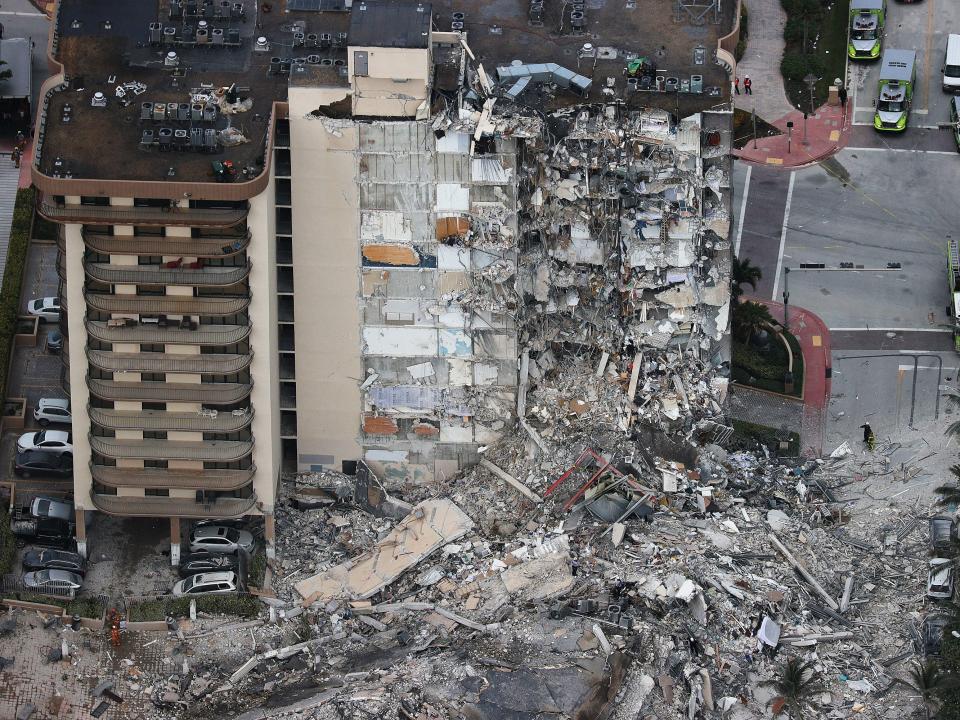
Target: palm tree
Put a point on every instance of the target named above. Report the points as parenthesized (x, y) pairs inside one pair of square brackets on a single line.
[(953, 397), (749, 317), (950, 494), (928, 680), (796, 685), (743, 274)]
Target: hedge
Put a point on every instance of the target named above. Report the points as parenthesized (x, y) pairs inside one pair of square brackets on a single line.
[(13, 279), (87, 607), (161, 608), (8, 543), (746, 434), (744, 33)]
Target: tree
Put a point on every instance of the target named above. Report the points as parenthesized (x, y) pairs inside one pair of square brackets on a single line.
[(743, 274), (797, 684), (950, 494), (929, 680), (749, 318)]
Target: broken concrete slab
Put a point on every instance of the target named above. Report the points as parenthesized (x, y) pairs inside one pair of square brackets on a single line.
[(429, 526)]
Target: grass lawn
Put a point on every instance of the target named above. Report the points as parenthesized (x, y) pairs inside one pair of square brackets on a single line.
[(765, 369), (826, 48)]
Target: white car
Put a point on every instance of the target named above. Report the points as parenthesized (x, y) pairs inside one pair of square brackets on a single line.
[(53, 410), (47, 309), (220, 539), (940, 579), (59, 441), (214, 582), (53, 582)]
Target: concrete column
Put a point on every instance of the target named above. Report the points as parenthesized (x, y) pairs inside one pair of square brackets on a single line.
[(270, 534), (81, 518), (174, 541)]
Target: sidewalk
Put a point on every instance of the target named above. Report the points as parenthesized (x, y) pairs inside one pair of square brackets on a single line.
[(761, 61), (814, 338), (828, 130)]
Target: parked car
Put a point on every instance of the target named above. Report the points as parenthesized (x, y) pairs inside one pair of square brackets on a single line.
[(54, 440), (49, 507), (43, 462), (47, 308), (943, 532), (206, 561), (940, 579), (53, 582), (220, 539), (933, 628), (54, 341), (46, 559), (215, 582), (53, 410)]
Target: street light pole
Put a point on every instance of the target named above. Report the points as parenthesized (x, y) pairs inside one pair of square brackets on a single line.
[(786, 298)]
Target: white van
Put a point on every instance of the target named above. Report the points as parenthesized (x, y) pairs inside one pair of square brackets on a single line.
[(951, 64)]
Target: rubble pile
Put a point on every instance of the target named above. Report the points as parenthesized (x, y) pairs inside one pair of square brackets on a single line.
[(666, 589)]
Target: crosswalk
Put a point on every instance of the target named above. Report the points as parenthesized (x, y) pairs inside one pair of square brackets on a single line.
[(9, 180)]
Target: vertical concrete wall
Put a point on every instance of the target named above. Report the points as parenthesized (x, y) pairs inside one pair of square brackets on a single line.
[(79, 394), (325, 280)]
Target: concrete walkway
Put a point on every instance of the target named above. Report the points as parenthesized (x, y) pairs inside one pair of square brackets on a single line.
[(761, 61), (828, 130)]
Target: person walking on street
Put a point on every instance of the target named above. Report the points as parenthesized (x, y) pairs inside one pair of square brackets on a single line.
[(868, 437), (747, 85), (842, 96), (736, 84)]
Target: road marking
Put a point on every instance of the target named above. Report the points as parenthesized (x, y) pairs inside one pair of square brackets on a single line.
[(783, 234), (775, 161), (908, 368), (891, 329), (900, 150), (743, 211), (22, 14), (927, 54)]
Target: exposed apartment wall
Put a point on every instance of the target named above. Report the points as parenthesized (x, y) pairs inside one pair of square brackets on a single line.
[(389, 82)]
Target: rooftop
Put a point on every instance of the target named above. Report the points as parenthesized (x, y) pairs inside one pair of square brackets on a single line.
[(381, 23)]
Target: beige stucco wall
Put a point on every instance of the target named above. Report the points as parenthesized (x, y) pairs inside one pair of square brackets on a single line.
[(265, 368), (396, 82), (325, 274), (79, 394)]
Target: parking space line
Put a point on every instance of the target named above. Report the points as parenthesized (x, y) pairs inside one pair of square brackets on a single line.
[(783, 234), (891, 329), (743, 211), (900, 150)]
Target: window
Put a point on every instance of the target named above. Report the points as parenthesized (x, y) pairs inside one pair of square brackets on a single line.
[(156, 492)]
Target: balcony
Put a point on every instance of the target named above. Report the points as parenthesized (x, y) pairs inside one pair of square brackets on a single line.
[(151, 506), (151, 391), (115, 215), (148, 449), (170, 335), (167, 304), (157, 275), (209, 247), (160, 421), (213, 480), (207, 364)]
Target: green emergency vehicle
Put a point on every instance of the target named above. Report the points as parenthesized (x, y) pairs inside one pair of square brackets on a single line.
[(898, 71), (865, 38)]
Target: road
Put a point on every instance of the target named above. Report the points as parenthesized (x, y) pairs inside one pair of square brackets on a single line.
[(876, 217)]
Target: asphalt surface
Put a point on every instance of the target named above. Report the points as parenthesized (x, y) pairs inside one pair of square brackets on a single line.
[(922, 27)]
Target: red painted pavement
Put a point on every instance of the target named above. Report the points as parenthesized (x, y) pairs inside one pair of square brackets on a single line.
[(807, 328), (828, 130)]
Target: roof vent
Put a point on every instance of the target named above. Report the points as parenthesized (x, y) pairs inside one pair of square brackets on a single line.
[(262, 44), (171, 60), (98, 100)]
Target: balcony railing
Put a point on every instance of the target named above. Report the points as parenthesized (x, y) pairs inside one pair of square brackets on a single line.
[(164, 478), (210, 247), (157, 275), (116, 215), (160, 420), (150, 449), (172, 334), (206, 364), (150, 391), (153, 506), (167, 304)]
